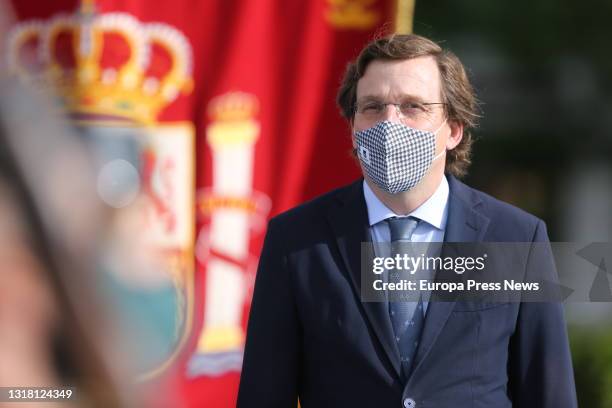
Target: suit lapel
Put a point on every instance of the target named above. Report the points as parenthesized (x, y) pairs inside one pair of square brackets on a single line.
[(464, 224), (349, 221)]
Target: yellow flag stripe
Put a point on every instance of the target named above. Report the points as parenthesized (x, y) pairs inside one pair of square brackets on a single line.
[(404, 16)]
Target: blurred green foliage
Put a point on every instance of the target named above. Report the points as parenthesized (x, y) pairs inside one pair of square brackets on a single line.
[(592, 358)]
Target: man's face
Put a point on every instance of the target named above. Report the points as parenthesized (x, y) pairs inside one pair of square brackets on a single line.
[(414, 80)]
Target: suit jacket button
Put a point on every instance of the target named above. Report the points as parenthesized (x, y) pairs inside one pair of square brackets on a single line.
[(409, 403)]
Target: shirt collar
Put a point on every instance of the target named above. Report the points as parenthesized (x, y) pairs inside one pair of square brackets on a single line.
[(433, 211)]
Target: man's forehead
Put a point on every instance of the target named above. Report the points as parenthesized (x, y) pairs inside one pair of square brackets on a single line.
[(418, 78)]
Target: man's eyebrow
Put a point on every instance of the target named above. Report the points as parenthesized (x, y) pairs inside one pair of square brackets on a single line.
[(402, 99), (368, 98), (412, 98)]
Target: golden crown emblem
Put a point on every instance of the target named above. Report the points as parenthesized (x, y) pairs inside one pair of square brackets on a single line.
[(233, 119), (125, 91), (233, 106), (352, 14)]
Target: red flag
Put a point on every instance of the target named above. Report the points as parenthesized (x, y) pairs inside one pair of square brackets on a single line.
[(234, 102)]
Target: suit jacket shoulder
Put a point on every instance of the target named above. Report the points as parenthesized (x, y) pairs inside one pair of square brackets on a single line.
[(506, 222), (308, 221)]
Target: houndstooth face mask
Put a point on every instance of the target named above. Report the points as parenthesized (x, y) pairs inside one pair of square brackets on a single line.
[(394, 156)]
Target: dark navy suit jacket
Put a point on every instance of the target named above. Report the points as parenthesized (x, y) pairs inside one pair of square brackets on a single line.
[(310, 336)]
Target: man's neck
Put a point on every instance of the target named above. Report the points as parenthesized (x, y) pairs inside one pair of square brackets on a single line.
[(406, 202)]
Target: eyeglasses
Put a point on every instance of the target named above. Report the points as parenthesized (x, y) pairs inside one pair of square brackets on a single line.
[(407, 110)]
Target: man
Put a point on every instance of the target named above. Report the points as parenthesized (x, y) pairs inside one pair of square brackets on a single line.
[(310, 335)]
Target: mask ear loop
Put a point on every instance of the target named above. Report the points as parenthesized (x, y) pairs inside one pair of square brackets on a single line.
[(435, 133), (440, 127)]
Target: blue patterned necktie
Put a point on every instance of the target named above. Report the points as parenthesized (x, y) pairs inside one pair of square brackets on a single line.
[(407, 318)]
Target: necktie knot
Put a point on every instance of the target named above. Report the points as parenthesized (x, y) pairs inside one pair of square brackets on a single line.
[(402, 228)]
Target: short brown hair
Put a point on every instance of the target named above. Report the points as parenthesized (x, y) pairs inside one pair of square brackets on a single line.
[(457, 92)]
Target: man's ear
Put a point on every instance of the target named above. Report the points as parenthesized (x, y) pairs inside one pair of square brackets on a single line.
[(455, 136)]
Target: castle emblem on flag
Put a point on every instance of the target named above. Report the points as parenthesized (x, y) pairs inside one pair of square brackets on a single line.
[(232, 213)]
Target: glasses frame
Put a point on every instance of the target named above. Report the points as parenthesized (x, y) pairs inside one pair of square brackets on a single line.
[(397, 107)]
